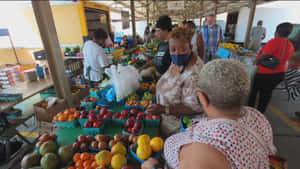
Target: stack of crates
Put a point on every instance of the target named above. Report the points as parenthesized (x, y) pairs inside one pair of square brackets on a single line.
[(6, 78)]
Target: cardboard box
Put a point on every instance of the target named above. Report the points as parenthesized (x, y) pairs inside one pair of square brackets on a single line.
[(84, 91), (47, 115)]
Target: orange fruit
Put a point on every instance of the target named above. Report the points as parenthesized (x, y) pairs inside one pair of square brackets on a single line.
[(71, 167), (88, 167), (84, 156), (55, 118), (79, 163), (87, 163), (94, 164), (71, 118), (61, 118), (76, 157), (79, 168), (92, 157), (73, 110), (67, 112), (77, 114)]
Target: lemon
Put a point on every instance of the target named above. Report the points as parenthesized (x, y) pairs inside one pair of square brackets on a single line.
[(157, 144), (143, 139), (119, 148), (103, 158), (144, 152)]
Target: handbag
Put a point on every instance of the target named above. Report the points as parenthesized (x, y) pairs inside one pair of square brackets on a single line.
[(272, 62)]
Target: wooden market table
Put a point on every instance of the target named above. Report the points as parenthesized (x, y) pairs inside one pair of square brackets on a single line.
[(28, 90)]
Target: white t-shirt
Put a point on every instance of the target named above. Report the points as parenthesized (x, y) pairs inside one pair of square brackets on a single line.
[(94, 57)]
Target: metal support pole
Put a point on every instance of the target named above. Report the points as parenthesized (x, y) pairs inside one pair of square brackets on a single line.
[(147, 11)]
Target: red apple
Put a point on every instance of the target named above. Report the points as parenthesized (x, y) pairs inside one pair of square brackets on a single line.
[(99, 117), (133, 112), (97, 124), (154, 117), (103, 110), (137, 124), (92, 118), (109, 113), (92, 112), (86, 100), (132, 118), (139, 118), (83, 116), (76, 145), (135, 130), (129, 123), (148, 117), (122, 117), (102, 145), (140, 114), (88, 124), (83, 146), (81, 139), (106, 116), (124, 113), (129, 130)]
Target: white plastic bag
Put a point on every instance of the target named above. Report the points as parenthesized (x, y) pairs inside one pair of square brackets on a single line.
[(50, 101), (125, 80)]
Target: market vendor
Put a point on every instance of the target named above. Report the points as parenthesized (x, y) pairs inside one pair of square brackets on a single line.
[(197, 39), (162, 58), (175, 91), (95, 60), (231, 135), (124, 42)]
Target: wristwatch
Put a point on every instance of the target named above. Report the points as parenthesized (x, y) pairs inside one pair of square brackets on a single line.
[(167, 110)]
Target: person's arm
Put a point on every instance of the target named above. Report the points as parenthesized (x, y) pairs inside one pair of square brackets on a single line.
[(102, 59), (264, 34), (175, 110), (268, 51), (200, 46), (251, 33), (202, 156)]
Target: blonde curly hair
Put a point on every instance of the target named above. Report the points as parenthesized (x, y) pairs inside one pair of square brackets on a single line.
[(226, 83)]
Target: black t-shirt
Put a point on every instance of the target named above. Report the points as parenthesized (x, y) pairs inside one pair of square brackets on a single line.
[(162, 59)]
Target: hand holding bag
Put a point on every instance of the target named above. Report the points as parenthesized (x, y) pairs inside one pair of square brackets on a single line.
[(272, 62)]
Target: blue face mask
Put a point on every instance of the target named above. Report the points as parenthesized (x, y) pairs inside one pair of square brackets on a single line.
[(181, 60)]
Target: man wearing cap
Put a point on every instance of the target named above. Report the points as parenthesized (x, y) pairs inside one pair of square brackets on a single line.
[(258, 33), (212, 35)]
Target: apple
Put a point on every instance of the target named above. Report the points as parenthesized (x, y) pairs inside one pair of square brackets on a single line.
[(102, 145), (133, 112), (76, 145), (89, 138), (83, 116), (83, 146), (154, 117), (106, 116), (84, 112), (45, 137), (139, 118), (112, 143), (129, 123), (92, 112), (122, 117), (140, 114), (124, 138), (137, 124), (88, 124), (94, 144), (135, 130), (116, 116), (86, 100), (148, 117), (103, 110), (81, 139), (92, 118), (132, 118), (99, 117), (109, 113), (124, 113), (129, 130), (102, 138), (117, 137), (97, 124)]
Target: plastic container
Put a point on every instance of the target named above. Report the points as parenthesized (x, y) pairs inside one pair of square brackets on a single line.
[(124, 132), (94, 131), (66, 124), (156, 155), (82, 122), (152, 123), (182, 125), (118, 122), (88, 105), (223, 53)]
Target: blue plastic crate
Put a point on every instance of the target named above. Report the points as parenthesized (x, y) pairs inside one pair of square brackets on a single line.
[(223, 53), (156, 155)]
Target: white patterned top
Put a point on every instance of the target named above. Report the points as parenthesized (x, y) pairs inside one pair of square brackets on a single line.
[(241, 148)]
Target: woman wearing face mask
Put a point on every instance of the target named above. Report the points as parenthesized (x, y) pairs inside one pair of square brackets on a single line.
[(175, 92), (232, 136)]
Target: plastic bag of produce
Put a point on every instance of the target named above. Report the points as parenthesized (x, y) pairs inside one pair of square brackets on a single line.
[(110, 94), (125, 80)]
